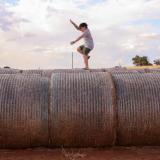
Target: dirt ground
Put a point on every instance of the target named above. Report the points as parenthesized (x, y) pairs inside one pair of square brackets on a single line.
[(116, 153)]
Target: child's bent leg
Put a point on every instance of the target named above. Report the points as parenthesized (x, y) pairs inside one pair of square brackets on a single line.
[(85, 57), (80, 51)]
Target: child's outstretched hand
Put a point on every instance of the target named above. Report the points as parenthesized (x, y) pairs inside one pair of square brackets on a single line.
[(73, 42)]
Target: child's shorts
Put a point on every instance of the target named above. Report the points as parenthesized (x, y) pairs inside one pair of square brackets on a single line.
[(84, 49)]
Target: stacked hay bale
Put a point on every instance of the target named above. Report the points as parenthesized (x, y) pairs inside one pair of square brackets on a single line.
[(48, 73), (9, 71), (78, 108), (38, 71), (138, 109), (23, 111), (122, 71), (116, 69), (154, 71), (119, 70), (82, 110), (77, 70), (142, 70)]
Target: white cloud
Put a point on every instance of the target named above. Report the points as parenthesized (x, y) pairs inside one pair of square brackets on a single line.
[(36, 33)]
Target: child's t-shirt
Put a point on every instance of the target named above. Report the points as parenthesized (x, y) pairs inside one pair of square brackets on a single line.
[(88, 40)]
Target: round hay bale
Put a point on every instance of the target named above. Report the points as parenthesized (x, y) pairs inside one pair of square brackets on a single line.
[(48, 73), (69, 71), (141, 70), (9, 71), (120, 71), (30, 75), (77, 70), (116, 69), (82, 110), (154, 71), (38, 71), (123, 72), (138, 103), (23, 111)]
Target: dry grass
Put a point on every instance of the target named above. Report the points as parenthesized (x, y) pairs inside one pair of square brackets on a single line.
[(144, 67), (72, 155)]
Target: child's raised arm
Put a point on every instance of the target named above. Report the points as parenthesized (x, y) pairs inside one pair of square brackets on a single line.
[(79, 38), (75, 25)]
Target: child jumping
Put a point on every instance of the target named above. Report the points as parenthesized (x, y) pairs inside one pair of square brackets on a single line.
[(88, 42)]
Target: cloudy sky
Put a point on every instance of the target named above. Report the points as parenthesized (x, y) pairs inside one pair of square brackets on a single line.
[(37, 33)]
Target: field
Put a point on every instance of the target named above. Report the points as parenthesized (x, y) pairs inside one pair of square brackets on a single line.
[(144, 67), (117, 153)]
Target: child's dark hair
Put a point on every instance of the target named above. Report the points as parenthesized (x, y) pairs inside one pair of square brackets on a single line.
[(83, 25)]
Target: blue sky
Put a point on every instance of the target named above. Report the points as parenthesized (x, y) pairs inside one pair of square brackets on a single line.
[(12, 1), (96, 1), (89, 1), (153, 22), (37, 33)]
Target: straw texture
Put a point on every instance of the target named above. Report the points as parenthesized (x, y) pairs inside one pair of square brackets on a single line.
[(122, 71), (38, 71), (142, 70), (154, 71), (23, 111), (138, 101), (82, 110), (77, 70), (47, 73), (9, 71)]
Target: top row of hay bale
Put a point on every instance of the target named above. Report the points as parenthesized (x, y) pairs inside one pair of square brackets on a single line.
[(48, 73), (9, 71)]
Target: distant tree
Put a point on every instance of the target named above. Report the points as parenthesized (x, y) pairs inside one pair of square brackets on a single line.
[(6, 67), (141, 61), (157, 61)]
